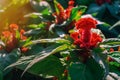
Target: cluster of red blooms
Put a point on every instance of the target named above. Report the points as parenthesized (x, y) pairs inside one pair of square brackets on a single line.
[(84, 37), (63, 15), (112, 50), (11, 40), (100, 2)]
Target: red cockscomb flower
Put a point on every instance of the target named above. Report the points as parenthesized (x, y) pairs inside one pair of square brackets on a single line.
[(84, 37)]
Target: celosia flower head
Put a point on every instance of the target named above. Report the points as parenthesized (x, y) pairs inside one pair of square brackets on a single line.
[(84, 37)]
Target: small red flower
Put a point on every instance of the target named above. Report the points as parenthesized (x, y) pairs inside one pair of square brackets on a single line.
[(11, 43), (61, 9), (111, 50), (71, 3), (13, 27), (6, 34), (22, 37), (110, 59), (24, 49), (67, 58), (65, 72)]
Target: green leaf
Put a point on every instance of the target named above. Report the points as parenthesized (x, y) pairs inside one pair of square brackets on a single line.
[(60, 32), (114, 72), (115, 56), (93, 8), (8, 59), (44, 54), (42, 6), (111, 42), (101, 11), (56, 7), (54, 40), (64, 3), (35, 49), (49, 66), (116, 24), (22, 62), (75, 12), (114, 63), (33, 15), (114, 10), (81, 71), (105, 28), (100, 57), (1, 75), (33, 32), (84, 2)]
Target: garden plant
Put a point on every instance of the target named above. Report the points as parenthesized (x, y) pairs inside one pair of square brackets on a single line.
[(61, 40)]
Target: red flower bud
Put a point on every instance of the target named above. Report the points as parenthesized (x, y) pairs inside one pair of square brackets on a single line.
[(65, 72), (22, 37), (67, 58), (111, 50), (24, 49), (110, 59), (13, 27)]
